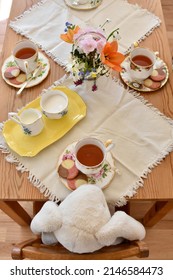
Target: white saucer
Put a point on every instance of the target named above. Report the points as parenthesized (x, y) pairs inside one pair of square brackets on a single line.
[(102, 179), (42, 59), (92, 4), (139, 86)]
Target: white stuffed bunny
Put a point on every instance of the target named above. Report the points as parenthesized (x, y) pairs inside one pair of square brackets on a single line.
[(82, 223)]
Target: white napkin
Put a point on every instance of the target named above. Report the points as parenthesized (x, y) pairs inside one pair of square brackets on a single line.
[(142, 137), (44, 22)]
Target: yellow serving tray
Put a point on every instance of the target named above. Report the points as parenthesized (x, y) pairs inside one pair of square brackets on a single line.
[(29, 146)]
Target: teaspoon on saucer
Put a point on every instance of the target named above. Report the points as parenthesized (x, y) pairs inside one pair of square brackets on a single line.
[(34, 75)]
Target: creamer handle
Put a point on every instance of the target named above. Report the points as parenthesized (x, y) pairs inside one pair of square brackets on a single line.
[(14, 117)]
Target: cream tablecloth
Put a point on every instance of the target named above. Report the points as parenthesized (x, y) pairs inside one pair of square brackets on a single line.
[(44, 23), (142, 137)]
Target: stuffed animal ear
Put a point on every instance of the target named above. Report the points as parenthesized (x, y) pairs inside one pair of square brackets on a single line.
[(120, 225), (48, 219)]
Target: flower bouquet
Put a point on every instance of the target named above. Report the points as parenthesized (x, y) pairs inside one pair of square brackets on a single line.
[(92, 54)]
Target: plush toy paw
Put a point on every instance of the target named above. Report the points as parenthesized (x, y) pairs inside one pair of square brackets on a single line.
[(48, 219)]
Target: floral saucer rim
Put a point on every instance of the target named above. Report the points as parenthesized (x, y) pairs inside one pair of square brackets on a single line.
[(102, 179), (42, 59), (87, 6), (139, 86)]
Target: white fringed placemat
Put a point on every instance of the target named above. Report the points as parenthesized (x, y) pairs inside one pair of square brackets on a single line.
[(44, 22), (142, 136)]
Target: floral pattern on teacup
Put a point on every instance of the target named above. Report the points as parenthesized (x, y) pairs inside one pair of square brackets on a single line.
[(26, 130), (93, 178), (138, 68)]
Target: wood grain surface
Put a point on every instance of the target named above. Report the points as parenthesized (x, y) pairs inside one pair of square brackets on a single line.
[(15, 185), (159, 238)]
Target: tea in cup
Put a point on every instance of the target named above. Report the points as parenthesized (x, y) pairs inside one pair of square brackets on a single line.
[(30, 121), (141, 63), (90, 155), (54, 104), (25, 55)]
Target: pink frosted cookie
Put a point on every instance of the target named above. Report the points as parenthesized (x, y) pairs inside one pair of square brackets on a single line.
[(19, 79), (11, 72), (158, 75), (151, 84)]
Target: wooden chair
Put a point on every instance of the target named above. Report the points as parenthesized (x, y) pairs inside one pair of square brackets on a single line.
[(34, 249)]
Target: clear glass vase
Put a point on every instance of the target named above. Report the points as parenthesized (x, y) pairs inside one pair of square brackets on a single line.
[(86, 55)]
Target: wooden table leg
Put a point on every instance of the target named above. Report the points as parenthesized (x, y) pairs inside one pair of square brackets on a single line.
[(157, 212), (125, 208), (16, 212), (37, 205)]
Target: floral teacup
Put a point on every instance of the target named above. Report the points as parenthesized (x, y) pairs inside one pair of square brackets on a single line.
[(25, 55), (141, 65), (90, 155)]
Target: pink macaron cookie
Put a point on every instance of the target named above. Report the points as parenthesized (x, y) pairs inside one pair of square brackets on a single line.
[(158, 75), (12, 72)]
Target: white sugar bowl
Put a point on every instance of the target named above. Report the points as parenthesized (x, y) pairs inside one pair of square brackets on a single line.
[(54, 104)]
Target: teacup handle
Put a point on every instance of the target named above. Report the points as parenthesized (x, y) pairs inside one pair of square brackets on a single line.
[(14, 117), (109, 145), (26, 68)]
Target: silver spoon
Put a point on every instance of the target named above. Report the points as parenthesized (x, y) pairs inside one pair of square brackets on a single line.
[(34, 75)]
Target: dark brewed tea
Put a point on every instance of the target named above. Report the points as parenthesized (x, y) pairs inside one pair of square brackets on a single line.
[(90, 155), (25, 53), (142, 60)]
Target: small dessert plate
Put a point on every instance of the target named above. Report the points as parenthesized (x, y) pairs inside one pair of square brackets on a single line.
[(147, 85), (92, 4), (101, 179), (42, 60)]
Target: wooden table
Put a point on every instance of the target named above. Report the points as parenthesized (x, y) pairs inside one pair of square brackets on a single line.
[(14, 185)]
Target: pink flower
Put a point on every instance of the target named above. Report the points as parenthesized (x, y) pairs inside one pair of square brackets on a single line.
[(100, 44), (88, 30), (88, 45)]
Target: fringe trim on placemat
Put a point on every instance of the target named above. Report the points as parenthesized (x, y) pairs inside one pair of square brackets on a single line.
[(40, 3), (56, 59), (11, 158), (155, 161), (132, 188)]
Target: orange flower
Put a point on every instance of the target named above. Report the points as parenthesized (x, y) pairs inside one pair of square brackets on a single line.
[(68, 37), (111, 57)]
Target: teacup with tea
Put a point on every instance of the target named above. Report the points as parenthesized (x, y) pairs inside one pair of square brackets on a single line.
[(30, 121), (141, 65), (90, 154), (25, 55)]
